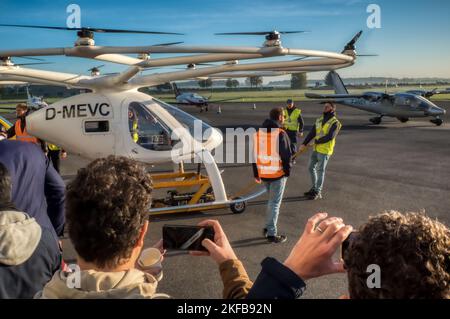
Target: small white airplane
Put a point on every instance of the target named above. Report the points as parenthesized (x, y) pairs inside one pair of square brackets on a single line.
[(117, 119), (402, 106), (33, 102), (192, 98)]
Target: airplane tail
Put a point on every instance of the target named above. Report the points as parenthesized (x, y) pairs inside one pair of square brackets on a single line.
[(175, 89), (28, 93), (333, 79)]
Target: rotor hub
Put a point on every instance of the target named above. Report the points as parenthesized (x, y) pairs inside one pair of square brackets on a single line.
[(85, 38)]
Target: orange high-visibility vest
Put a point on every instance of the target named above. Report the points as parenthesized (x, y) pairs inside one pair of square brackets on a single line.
[(268, 160), (23, 135)]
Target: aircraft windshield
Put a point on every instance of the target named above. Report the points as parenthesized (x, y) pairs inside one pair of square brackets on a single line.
[(147, 130), (197, 128)]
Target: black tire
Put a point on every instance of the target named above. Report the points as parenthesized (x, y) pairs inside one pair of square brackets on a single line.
[(375, 120), (238, 208), (403, 119)]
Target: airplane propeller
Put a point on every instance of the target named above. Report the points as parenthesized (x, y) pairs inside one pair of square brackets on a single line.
[(270, 35), (87, 30)]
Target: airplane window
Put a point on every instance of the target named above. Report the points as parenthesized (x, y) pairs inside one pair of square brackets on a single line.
[(147, 130), (194, 125), (96, 126)]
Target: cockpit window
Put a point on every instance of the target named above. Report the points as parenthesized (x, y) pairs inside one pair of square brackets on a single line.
[(147, 130), (197, 128)]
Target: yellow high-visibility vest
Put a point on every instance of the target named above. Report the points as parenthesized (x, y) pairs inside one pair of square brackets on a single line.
[(321, 131), (134, 131), (291, 121), (53, 147)]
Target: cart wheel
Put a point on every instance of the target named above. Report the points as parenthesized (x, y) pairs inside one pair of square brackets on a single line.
[(238, 208)]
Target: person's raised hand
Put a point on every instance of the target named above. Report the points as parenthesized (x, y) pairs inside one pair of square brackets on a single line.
[(220, 249), (312, 255)]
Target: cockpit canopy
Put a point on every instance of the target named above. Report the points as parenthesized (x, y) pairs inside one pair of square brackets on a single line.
[(148, 130), (411, 100)]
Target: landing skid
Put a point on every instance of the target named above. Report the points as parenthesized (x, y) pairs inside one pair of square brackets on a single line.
[(193, 191)]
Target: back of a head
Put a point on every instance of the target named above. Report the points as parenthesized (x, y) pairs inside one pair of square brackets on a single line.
[(276, 113), (106, 207), (412, 251), (5, 186)]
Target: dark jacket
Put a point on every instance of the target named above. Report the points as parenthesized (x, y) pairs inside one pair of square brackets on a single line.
[(324, 139), (29, 255), (37, 189), (284, 149), (276, 281)]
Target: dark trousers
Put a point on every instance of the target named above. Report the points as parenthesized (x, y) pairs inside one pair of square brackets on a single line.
[(293, 138), (54, 157)]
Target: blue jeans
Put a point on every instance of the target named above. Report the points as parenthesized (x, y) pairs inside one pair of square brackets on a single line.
[(317, 164), (275, 189)]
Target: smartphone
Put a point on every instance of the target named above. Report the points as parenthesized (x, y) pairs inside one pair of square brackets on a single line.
[(182, 237), (346, 243)]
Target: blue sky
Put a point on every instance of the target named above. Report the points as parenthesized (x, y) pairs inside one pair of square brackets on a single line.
[(413, 40)]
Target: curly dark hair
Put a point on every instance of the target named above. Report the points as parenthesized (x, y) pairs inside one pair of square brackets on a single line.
[(106, 207), (413, 252)]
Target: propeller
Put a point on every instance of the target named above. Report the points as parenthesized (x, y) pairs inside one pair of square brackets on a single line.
[(351, 45), (6, 60), (32, 63), (96, 70), (259, 33), (87, 29), (270, 35)]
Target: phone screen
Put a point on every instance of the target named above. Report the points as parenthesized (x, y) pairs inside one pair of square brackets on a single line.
[(179, 237)]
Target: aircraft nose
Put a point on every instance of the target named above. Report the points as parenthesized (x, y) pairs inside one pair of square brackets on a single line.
[(435, 111)]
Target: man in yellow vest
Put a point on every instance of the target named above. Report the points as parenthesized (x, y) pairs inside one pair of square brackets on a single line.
[(293, 123), (272, 165), (323, 133), (55, 154), (133, 125)]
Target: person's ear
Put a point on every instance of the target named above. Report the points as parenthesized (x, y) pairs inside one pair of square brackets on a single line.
[(344, 297), (142, 233)]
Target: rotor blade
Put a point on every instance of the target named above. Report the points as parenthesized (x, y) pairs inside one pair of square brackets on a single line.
[(30, 58), (351, 44), (102, 30), (32, 63), (367, 55), (168, 43), (96, 67), (258, 33)]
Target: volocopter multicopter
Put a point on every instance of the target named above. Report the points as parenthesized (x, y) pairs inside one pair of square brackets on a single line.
[(97, 124)]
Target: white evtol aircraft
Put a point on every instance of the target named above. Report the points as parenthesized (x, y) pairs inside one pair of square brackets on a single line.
[(100, 123)]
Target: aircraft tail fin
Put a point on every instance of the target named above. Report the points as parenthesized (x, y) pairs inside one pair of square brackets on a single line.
[(333, 79), (176, 91), (28, 93)]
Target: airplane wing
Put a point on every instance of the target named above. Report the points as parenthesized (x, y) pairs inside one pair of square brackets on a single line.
[(427, 94), (333, 96)]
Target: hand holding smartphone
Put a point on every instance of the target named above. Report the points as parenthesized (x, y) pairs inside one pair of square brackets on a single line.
[(184, 237)]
